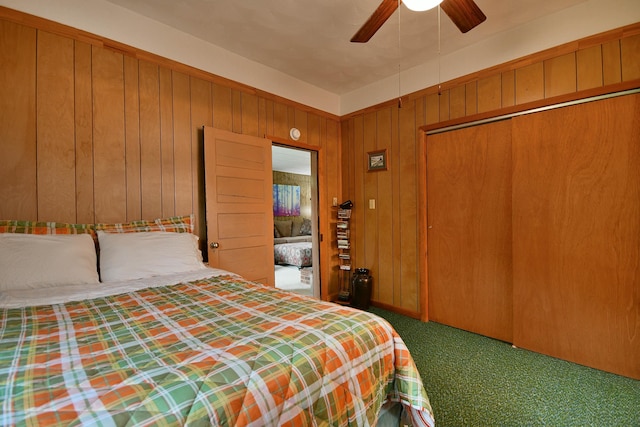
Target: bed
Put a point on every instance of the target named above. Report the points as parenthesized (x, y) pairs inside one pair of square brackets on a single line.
[(297, 253), (292, 242), (199, 346)]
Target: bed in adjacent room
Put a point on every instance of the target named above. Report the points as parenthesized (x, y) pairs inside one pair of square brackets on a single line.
[(158, 338), (292, 244)]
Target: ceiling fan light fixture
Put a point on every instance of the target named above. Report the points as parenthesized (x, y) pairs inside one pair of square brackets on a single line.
[(421, 5)]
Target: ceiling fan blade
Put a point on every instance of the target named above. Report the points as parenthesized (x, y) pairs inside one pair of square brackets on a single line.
[(375, 21), (464, 13)]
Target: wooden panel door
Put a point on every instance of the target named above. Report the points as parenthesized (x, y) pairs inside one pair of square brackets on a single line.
[(576, 233), (469, 229), (239, 204)]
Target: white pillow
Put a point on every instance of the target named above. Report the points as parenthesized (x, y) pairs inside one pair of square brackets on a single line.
[(31, 261), (126, 256)]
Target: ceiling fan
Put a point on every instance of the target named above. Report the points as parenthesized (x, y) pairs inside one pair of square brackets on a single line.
[(465, 14)]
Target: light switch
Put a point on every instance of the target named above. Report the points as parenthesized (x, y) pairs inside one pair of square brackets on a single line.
[(335, 201), (372, 203)]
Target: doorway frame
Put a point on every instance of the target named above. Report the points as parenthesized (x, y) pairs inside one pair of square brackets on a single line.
[(321, 244)]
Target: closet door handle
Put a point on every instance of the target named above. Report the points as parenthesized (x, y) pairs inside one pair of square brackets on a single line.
[(214, 245)]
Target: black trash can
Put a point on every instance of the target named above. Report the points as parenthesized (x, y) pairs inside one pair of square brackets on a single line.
[(361, 284)]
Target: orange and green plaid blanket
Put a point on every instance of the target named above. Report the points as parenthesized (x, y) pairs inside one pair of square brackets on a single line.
[(218, 351)]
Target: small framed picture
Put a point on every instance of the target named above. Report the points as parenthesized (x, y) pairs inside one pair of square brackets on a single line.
[(377, 160)]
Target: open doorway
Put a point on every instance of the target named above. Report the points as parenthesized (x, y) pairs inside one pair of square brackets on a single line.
[(296, 242)]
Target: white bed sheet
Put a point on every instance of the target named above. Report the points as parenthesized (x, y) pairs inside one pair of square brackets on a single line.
[(66, 293)]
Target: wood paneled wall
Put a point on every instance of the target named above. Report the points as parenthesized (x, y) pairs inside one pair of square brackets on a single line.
[(93, 131), (385, 239)]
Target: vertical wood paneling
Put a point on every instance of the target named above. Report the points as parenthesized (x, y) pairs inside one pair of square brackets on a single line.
[(347, 162), (508, 88), (107, 111), (406, 292), (110, 183), (182, 143), (236, 97), (547, 77), (301, 122), (126, 133), (330, 183), (395, 195), (457, 102), (444, 105), (132, 138), (262, 117), (280, 120), (471, 98), (83, 134), (560, 75), (150, 145), (384, 207), (313, 130), (358, 155), (589, 67), (55, 118), (371, 227), (249, 114), (530, 83), (269, 117), (330, 132), (166, 143), (222, 107), (18, 122), (611, 69), (433, 108), (490, 93), (420, 113), (630, 57), (291, 119)]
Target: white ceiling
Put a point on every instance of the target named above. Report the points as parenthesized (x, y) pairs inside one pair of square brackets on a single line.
[(309, 39), (291, 160)]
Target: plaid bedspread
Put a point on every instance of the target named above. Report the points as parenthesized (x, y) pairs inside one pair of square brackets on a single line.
[(219, 351)]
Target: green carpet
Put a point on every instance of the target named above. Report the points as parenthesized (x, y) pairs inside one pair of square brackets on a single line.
[(473, 380)]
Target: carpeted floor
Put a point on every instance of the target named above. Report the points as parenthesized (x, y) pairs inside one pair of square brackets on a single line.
[(473, 380)]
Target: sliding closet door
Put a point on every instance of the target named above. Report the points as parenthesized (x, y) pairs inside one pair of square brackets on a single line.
[(576, 233), (469, 229)]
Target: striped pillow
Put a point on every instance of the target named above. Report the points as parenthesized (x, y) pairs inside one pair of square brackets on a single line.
[(176, 224), (43, 227)]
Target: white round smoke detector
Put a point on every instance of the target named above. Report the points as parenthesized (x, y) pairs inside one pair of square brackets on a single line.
[(294, 133)]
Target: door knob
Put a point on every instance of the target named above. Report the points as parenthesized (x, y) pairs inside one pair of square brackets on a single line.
[(214, 245)]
